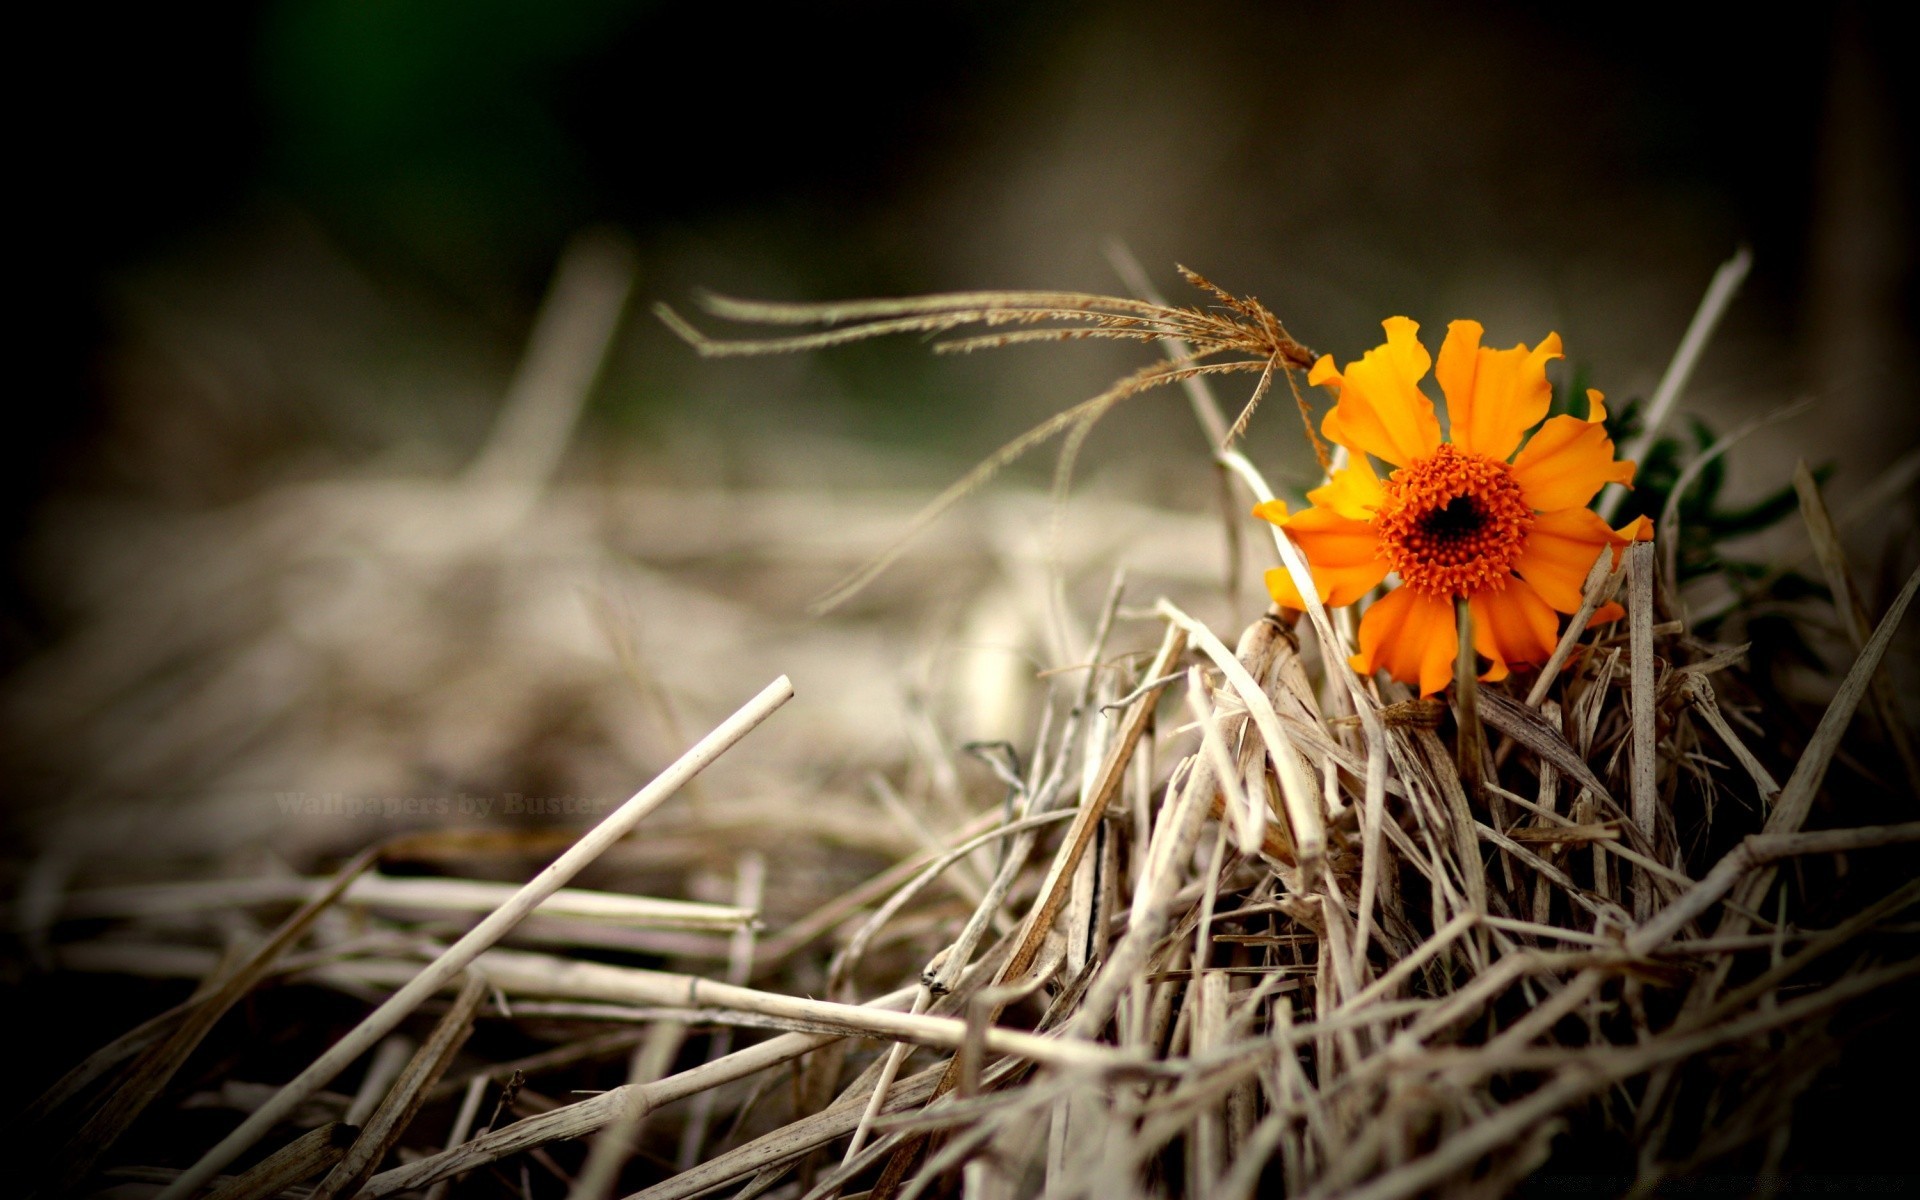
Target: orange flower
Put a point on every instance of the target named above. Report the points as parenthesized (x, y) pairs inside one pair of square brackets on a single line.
[(1464, 517)]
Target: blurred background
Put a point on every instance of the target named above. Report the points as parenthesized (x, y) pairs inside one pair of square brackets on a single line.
[(287, 259)]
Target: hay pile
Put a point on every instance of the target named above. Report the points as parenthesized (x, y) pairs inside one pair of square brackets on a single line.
[(1190, 918)]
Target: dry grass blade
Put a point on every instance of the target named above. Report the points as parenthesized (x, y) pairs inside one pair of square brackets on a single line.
[(1402, 962), (587, 1116), (1302, 804), (95, 1066), (1585, 1078), (568, 345), (1526, 726), (1603, 577), (1759, 850), (408, 1093), (540, 975), (1470, 746), (1074, 422), (1646, 754), (1796, 798), (462, 1128), (794, 1139), (315, 1151), (390, 892), (1699, 692), (1713, 305), (389, 1059), (1034, 930), (1832, 557), (143, 1081), (1239, 325), (1575, 834), (461, 954)]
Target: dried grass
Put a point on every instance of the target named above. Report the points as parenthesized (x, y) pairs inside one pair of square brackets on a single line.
[(1230, 920)]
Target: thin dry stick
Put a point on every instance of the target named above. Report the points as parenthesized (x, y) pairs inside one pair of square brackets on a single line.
[(1713, 305), (612, 1146), (1239, 810), (409, 1092), (1796, 798), (1296, 789), (462, 1126), (1646, 795), (569, 343), (889, 1071), (1580, 1079), (1832, 557), (578, 1120), (1469, 743), (149, 1074), (1602, 579), (457, 957), (1079, 835), (390, 1058), (1699, 692), (1237, 325), (748, 886), (1053, 893), (521, 973), (299, 1160), (1756, 851), (406, 895), (799, 1137)]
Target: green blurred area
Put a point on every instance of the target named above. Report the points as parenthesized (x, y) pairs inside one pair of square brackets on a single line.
[(428, 130)]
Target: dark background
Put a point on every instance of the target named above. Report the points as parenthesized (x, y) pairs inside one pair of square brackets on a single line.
[(376, 194)]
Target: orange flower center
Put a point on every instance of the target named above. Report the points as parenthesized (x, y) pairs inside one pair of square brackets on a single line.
[(1454, 523)]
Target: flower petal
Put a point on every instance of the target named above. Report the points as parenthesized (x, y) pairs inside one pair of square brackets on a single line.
[(1381, 410), (1569, 460), (1513, 625), (1343, 554), (1271, 510), (1606, 614), (1493, 396), (1640, 529), (1353, 492), (1412, 636), (1559, 552)]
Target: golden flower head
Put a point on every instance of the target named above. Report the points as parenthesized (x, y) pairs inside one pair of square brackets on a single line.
[(1462, 518)]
